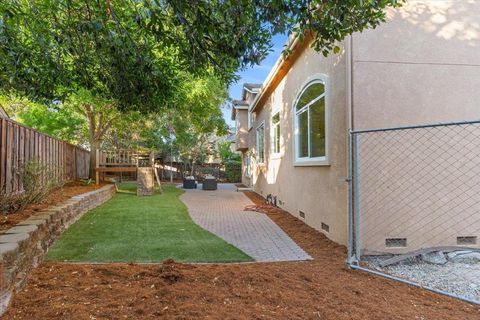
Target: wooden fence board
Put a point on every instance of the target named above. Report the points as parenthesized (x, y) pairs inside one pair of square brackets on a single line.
[(8, 165), (3, 154), (19, 144)]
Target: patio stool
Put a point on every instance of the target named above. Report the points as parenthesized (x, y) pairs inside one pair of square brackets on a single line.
[(209, 183)]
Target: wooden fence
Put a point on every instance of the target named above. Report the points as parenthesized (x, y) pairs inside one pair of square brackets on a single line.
[(19, 144)]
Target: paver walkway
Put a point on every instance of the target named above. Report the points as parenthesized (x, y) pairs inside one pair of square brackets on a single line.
[(221, 212)]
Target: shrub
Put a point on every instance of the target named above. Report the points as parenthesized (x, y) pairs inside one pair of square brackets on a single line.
[(203, 171), (37, 179), (233, 171)]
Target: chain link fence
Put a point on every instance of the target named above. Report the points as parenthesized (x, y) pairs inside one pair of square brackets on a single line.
[(415, 205)]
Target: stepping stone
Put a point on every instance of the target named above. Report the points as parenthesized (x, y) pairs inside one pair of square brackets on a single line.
[(15, 238), (22, 229)]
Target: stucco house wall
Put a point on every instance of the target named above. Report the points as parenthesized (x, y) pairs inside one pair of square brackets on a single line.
[(320, 192), (422, 66), (241, 129)]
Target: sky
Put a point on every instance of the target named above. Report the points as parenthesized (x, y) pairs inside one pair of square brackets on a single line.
[(257, 74)]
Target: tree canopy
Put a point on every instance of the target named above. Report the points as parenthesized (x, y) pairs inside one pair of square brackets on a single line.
[(50, 48), (131, 51), (109, 64)]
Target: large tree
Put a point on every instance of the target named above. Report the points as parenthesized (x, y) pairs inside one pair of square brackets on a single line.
[(132, 50), (97, 58), (133, 55)]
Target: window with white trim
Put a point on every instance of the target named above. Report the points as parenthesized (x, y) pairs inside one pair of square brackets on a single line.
[(246, 163), (276, 133), (310, 124), (251, 119), (261, 143)]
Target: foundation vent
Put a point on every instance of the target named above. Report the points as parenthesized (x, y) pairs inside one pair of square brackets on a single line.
[(325, 227), (396, 242), (272, 200), (467, 240), (302, 214)]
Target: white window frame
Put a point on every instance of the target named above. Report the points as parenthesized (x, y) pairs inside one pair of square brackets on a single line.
[(248, 165), (273, 135), (257, 142), (311, 161), (250, 119)]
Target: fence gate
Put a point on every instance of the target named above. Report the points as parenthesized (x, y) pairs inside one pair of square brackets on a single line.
[(415, 206)]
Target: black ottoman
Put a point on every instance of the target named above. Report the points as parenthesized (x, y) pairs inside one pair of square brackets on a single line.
[(209, 184), (189, 184)]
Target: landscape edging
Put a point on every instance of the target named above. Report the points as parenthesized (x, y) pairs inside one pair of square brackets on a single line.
[(23, 246)]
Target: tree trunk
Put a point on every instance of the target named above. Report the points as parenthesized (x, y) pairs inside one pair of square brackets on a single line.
[(97, 128), (94, 146), (193, 167)]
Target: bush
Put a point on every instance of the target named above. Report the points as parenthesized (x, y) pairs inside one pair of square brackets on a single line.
[(203, 171), (37, 179), (233, 171)]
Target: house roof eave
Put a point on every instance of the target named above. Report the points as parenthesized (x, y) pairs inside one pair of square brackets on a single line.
[(281, 67)]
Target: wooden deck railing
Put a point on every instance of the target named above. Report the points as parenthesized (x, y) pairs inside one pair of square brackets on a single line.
[(19, 144), (118, 161)]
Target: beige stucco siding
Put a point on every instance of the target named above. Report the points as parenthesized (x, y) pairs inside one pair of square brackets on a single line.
[(435, 31), (319, 191), (241, 135), (422, 66)]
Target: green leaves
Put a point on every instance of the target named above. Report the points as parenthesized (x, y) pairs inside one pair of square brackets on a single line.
[(136, 51), (48, 118), (169, 58), (226, 154), (52, 44)]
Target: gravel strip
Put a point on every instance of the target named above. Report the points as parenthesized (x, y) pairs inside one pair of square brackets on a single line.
[(461, 279)]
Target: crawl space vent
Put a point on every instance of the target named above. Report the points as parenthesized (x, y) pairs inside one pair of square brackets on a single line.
[(467, 240), (396, 242), (325, 227)]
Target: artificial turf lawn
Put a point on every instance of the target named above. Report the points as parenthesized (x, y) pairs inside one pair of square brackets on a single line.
[(154, 228)]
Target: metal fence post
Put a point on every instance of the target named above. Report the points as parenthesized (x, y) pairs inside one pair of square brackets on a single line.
[(350, 240), (356, 194)]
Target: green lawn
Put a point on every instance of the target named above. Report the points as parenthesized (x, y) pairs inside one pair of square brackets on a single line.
[(141, 229)]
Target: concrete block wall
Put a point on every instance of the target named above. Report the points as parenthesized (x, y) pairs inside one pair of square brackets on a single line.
[(23, 246)]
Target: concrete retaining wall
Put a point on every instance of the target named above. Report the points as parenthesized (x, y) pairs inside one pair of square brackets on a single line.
[(23, 247)]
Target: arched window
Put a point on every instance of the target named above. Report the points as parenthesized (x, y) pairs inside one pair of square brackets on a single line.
[(310, 126)]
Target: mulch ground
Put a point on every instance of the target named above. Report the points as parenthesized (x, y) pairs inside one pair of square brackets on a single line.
[(55, 197), (321, 289)]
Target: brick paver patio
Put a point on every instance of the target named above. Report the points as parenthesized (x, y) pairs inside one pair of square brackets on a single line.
[(221, 212)]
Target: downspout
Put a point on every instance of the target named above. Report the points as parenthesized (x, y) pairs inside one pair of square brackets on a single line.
[(350, 223), (350, 83)]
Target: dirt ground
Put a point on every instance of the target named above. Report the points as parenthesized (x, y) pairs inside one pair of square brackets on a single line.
[(57, 196), (320, 289)]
